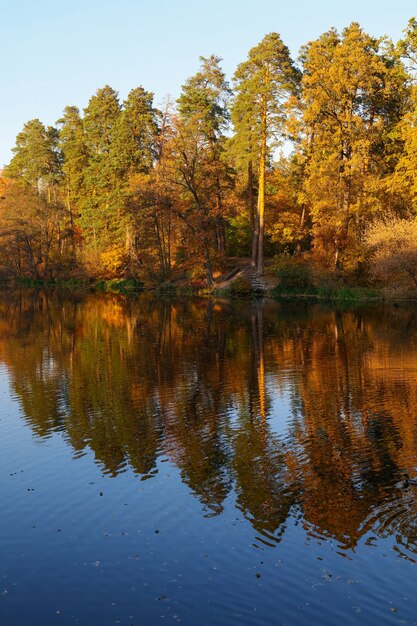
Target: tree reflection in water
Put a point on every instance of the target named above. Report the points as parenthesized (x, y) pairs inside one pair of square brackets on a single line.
[(202, 382)]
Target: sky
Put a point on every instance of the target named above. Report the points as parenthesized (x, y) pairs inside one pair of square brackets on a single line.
[(56, 53)]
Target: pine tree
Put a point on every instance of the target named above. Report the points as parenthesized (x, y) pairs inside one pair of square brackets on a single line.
[(75, 162), (101, 212), (133, 148), (37, 159), (262, 85), (203, 104)]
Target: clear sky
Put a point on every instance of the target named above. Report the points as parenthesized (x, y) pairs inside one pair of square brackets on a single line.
[(59, 52)]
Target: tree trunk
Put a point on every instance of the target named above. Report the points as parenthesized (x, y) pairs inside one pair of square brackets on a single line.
[(207, 265), (261, 211), (220, 227), (261, 193), (220, 237), (71, 219), (255, 241), (253, 217), (258, 235), (251, 195)]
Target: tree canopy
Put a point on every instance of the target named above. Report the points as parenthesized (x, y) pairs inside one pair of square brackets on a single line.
[(296, 159)]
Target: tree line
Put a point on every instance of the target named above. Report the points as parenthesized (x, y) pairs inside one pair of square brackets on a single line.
[(313, 160)]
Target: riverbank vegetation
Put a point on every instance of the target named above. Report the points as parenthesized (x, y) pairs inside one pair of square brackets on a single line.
[(300, 174)]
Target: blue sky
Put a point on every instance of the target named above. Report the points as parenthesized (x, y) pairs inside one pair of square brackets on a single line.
[(59, 52)]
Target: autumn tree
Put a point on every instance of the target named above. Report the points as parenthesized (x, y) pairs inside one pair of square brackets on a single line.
[(40, 227), (407, 47), (193, 165), (288, 226), (353, 93), (403, 182), (392, 243), (191, 172), (30, 230), (133, 153)]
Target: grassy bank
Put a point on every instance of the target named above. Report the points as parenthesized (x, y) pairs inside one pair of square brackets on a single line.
[(128, 285), (356, 294), (240, 288)]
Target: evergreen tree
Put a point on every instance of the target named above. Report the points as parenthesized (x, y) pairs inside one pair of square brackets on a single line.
[(133, 148), (75, 162), (262, 84), (37, 159), (203, 104), (101, 212), (150, 200)]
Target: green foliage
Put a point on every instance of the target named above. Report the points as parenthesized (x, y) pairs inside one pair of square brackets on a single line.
[(128, 285), (344, 294), (101, 210), (37, 159), (238, 236), (133, 147), (239, 287), (72, 142), (205, 96), (293, 272), (269, 74), (262, 85)]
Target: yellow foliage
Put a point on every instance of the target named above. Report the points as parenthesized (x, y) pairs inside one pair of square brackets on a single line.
[(394, 251), (113, 260)]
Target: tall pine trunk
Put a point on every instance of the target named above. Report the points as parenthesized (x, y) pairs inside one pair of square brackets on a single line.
[(258, 235)]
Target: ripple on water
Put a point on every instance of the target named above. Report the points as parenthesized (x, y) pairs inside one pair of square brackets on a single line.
[(211, 464)]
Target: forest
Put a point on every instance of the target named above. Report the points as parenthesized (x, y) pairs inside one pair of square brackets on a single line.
[(302, 169)]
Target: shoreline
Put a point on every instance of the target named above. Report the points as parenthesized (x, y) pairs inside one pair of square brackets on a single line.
[(133, 287)]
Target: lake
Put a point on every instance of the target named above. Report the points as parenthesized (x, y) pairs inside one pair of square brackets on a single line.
[(206, 462)]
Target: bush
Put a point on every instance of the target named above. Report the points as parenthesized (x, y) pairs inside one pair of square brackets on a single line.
[(167, 288), (126, 285), (293, 273), (240, 286), (393, 247)]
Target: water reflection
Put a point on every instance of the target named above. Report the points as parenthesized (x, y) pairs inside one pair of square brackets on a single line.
[(204, 383)]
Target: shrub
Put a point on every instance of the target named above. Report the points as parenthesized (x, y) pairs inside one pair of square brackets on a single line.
[(293, 272), (240, 286), (166, 288), (393, 247)]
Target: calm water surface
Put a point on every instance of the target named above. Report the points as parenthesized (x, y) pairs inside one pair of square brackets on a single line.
[(206, 463)]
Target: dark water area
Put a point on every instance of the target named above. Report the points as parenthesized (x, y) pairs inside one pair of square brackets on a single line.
[(203, 462)]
